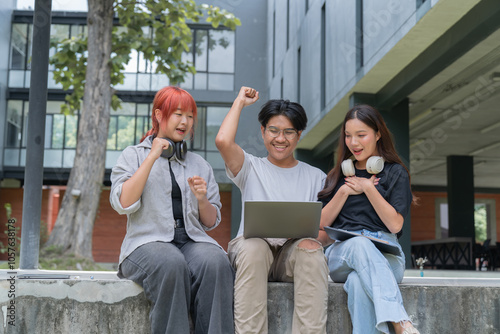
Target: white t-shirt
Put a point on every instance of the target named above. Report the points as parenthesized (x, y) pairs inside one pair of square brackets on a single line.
[(260, 180)]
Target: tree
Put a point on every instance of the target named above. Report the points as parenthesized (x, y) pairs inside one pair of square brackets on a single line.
[(91, 65)]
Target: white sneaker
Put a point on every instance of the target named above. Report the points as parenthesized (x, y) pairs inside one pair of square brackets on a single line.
[(411, 330)]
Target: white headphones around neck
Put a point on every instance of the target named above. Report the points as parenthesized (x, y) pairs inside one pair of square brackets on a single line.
[(374, 165)]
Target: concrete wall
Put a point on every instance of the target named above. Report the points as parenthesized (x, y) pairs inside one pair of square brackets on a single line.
[(447, 305), (384, 24)]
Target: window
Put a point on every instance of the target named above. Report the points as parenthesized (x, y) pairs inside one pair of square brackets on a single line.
[(14, 123), (323, 57), (420, 3), (484, 219), (298, 74), (274, 43), (19, 47), (126, 127), (203, 143), (287, 24), (359, 35), (212, 53)]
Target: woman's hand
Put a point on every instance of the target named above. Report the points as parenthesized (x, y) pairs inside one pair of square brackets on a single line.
[(157, 147), (359, 185), (198, 186), (208, 213)]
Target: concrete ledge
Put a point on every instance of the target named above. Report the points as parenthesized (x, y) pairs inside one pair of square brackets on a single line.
[(99, 303)]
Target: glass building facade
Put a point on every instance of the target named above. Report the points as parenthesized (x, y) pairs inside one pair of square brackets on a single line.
[(212, 52)]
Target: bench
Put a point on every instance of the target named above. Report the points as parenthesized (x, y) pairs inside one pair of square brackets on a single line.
[(96, 305)]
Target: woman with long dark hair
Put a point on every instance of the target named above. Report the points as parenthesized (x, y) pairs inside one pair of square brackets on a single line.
[(368, 192)]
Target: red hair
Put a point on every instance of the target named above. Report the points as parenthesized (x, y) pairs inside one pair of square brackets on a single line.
[(167, 100)]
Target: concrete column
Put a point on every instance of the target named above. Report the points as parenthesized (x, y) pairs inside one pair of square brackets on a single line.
[(397, 120), (32, 196), (460, 176)]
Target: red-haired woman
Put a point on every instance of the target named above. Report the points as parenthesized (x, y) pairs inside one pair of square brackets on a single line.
[(171, 199), (371, 196)]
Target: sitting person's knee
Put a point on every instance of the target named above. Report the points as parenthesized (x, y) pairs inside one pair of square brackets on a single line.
[(309, 244)]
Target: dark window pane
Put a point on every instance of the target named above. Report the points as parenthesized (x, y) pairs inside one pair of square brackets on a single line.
[(14, 123), (57, 131), (24, 137), (30, 37), (201, 50), (71, 131), (111, 145), (18, 46), (198, 142), (125, 134)]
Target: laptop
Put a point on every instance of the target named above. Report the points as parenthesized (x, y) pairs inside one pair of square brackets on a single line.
[(341, 235), (280, 219)]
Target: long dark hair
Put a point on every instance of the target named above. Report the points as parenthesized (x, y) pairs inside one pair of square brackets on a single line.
[(385, 145)]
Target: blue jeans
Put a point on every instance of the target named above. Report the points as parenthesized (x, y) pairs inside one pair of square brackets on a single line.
[(371, 281), (180, 277)]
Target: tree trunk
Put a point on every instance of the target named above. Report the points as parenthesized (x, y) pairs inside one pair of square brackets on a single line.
[(75, 221)]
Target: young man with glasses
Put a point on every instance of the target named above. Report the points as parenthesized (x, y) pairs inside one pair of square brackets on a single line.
[(277, 177)]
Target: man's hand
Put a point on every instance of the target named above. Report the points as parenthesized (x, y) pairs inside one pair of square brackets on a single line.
[(247, 96)]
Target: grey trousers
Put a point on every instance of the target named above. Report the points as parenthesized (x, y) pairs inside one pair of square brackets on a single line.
[(181, 277)]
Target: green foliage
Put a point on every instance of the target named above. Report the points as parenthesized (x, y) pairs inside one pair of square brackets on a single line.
[(480, 222), (5, 247), (157, 29), (51, 257)]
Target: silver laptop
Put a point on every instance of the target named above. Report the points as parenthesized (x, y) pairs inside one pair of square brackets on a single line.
[(277, 219)]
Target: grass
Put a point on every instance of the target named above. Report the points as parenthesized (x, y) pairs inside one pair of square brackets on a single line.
[(54, 258)]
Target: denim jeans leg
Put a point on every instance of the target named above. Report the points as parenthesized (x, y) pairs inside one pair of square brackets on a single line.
[(211, 288), (378, 275), (360, 306), (160, 268)]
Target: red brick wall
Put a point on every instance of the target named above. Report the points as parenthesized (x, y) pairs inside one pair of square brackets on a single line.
[(222, 233), (14, 196), (109, 228), (423, 216)]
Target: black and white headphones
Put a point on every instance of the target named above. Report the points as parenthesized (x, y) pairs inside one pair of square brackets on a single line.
[(374, 165), (178, 149)]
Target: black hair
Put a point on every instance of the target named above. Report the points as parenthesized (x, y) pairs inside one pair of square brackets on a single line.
[(292, 110)]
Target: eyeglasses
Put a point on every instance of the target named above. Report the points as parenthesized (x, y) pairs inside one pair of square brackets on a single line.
[(275, 132)]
